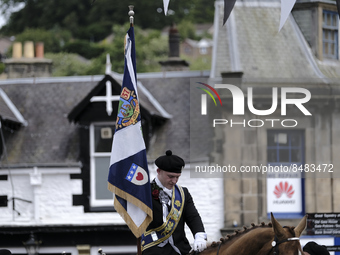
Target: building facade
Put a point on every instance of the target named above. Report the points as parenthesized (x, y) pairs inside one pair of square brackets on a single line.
[(282, 111)]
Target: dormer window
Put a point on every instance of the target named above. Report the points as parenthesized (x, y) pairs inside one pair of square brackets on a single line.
[(95, 117), (319, 23), (330, 34)]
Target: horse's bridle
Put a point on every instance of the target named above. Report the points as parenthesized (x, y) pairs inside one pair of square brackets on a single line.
[(276, 243)]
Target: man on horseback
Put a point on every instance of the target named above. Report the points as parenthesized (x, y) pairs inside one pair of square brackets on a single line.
[(173, 206)]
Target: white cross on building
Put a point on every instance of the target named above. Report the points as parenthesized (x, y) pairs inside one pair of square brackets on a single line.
[(108, 98)]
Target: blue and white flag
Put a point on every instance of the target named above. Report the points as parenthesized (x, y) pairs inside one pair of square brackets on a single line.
[(166, 5), (129, 175)]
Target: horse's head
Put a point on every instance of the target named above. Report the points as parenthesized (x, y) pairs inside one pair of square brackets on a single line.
[(260, 240), (286, 240)]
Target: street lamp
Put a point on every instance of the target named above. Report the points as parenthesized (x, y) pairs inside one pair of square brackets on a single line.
[(32, 245)]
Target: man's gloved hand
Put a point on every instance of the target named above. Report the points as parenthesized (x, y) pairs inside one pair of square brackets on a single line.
[(200, 242)]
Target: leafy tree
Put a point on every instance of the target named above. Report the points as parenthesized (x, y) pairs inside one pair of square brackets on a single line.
[(151, 47), (202, 11), (2, 69), (65, 64), (200, 63), (76, 26), (84, 48), (186, 30), (93, 22), (53, 39)]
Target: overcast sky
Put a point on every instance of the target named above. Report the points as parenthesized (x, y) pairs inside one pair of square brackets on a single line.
[(3, 17), (2, 20)]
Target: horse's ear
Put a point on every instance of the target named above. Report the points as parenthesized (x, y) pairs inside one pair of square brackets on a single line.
[(301, 226), (278, 229)]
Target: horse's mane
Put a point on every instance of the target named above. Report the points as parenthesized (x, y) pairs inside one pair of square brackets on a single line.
[(239, 233)]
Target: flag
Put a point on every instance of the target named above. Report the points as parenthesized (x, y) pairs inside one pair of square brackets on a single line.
[(166, 5), (286, 8), (128, 174), (228, 7)]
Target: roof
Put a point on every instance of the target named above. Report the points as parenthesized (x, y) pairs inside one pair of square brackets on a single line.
[(174, 95), (251, 43), (49, 139), (8, 111), (145, 97)]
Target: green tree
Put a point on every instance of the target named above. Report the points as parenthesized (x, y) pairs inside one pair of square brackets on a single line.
[(202, 11), (84, 48), (93, 22), (53, 39), (151, 47), (186, 30), (65, 64)]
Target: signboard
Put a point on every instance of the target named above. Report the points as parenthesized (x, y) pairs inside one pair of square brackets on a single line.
[(323, 224), (333, 248), (284, 197)]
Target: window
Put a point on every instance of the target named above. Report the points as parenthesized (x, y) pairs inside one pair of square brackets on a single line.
[(101, 135), (285, 147), (330, 34), (203, 50), (187, 50), (285, 155)]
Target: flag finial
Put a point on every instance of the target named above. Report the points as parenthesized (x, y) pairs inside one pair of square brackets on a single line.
[(131, 13)]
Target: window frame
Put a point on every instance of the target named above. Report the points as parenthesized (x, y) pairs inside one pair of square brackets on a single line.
[(94, 202), (329, 29), (289, 147)]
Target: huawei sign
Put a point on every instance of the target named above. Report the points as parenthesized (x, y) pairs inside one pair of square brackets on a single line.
[(284, 188)]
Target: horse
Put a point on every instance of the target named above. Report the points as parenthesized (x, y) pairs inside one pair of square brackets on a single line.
[(260, 240)]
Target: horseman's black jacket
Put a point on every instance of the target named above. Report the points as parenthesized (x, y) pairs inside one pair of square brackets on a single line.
[(189, 216)]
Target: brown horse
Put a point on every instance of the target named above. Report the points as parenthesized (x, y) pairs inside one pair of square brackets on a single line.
[(260, 240)]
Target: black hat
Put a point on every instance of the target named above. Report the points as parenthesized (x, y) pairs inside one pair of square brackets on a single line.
[(5, 252), (170, 163), (315, 249)]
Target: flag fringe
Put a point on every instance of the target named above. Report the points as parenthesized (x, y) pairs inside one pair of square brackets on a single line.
[(137, 231)]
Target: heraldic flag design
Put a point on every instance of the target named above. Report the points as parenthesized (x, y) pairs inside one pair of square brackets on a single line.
[(129, 175)]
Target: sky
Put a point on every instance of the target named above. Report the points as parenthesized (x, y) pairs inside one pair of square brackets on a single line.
[(2, 20), (3, 17)]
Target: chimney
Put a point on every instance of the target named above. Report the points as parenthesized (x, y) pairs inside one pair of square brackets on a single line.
[(173, 42), (17, 50), (28, 49), (39, 50), (28, 65), (174, 63)]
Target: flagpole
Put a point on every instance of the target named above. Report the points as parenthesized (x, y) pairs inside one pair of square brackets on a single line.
[(139, 239)]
